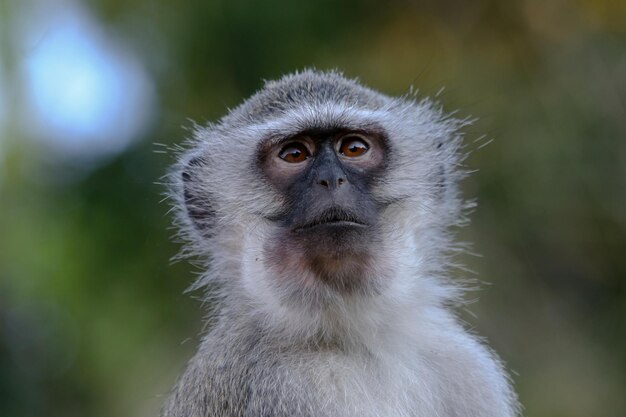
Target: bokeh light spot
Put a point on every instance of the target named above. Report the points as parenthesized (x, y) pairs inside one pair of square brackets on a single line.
[(85, 94)]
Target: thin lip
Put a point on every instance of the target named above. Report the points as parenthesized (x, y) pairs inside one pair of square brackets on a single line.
[(331, 223)]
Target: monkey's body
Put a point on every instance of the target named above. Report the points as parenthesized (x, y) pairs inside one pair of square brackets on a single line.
[(241, 370), (330, 261)]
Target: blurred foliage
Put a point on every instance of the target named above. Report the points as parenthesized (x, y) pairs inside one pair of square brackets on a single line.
[(92, 316)]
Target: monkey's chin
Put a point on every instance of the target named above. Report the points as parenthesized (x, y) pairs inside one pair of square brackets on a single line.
[(339, 241), (327, 256)]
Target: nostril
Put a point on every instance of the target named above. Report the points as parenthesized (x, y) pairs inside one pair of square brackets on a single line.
[(340, 181), (324, 183)]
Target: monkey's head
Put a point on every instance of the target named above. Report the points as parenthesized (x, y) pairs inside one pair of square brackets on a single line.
[(317, 189)]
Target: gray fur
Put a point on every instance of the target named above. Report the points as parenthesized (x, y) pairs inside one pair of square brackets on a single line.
[(276, 350)]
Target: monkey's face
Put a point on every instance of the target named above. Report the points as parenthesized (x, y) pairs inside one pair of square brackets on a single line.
[(317, 186), (329, 225)]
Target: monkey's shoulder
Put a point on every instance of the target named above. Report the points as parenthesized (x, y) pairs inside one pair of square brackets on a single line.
[(239, 377)]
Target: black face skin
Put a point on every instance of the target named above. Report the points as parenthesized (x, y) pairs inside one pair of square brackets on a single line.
[(330, 226)]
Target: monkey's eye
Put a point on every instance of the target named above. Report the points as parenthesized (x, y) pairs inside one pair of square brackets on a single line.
[(294, 152), (353, 146)]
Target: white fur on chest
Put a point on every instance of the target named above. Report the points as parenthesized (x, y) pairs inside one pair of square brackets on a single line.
[(431, 369), (397, 384)]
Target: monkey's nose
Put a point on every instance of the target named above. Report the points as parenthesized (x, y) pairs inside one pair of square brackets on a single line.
[(331, 183), (327, 170)]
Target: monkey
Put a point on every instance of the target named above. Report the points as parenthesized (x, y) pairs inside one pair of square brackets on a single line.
[(324, 213)]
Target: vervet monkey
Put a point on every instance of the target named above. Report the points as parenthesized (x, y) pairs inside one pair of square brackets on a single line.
[(324, 212)]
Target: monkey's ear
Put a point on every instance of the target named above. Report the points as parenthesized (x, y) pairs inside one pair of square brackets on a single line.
[(196, 198)]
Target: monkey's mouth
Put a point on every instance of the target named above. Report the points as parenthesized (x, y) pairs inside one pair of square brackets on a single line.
[(333, 218)]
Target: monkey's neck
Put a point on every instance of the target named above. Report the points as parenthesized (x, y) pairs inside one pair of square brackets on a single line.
[(363, 323)]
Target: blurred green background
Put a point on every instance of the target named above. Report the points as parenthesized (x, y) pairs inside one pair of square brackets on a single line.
[(93, 319)]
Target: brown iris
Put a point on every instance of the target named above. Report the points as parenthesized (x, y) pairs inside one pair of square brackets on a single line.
[(294, 152), (353, 146)]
